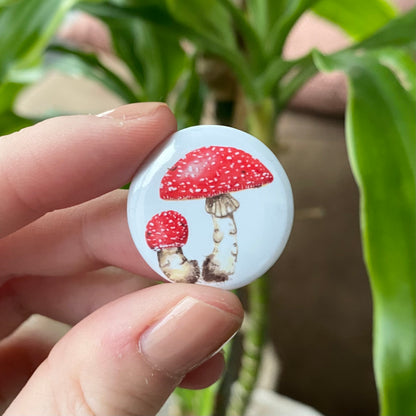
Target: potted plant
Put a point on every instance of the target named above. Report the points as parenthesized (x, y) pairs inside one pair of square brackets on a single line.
[(232, 51)]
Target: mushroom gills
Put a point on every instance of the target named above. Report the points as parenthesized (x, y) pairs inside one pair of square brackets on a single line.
[(176, 266), (220, 264), (221, 205)]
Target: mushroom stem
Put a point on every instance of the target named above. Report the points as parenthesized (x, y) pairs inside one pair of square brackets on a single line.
[(176, 266), (220, 264)]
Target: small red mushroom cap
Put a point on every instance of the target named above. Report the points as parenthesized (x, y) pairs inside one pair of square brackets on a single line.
[(165, 230), (211, 171)]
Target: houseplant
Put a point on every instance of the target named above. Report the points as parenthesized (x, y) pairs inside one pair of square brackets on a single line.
[(244, 43)]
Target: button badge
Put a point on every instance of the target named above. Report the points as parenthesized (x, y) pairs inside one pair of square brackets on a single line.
[(212, 205)]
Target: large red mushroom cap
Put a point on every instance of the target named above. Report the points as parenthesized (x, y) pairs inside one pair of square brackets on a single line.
[(165, 230), (211, 171)]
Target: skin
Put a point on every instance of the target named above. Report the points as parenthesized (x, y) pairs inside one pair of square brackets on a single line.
[(62, 225)]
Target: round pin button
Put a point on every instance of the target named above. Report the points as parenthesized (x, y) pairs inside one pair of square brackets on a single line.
[(211, 206)]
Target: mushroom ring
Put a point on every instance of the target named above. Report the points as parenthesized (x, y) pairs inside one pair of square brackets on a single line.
[(215, 205)]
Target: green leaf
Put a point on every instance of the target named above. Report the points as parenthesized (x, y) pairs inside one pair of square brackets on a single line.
[(154, 57), (78, 63), (356, 17), (402, 65), (25, 29), (208, 18), (286, 16), (282, 79), (200, 402), (10, 122), (4, 3), (154, 11), (8, 94), (208, 25), (9, 91), (250, 42), (399, 32), (205, 24), (189, 102), (196, 402), (264, 13), (381, 130)]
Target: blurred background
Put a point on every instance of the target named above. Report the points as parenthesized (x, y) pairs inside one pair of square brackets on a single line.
[(321, 310)]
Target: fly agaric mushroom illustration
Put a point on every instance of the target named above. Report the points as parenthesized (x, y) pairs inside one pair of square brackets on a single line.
[(213, 173), (167, 233)]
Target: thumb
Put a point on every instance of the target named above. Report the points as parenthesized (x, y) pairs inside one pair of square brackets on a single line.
[(127, 357)]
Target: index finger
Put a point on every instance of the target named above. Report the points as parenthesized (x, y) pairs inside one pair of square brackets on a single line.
[(68, 160)]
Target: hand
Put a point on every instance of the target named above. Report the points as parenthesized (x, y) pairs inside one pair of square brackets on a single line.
[(62, 223)]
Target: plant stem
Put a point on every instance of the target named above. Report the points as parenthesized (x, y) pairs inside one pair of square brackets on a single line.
[(233, 363), (261, 121), (253, 343), (252, 41)]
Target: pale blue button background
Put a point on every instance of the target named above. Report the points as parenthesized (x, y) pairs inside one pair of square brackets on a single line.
[(264, 218)]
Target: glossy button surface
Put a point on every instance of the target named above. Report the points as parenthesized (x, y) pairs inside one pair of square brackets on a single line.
[(211, 206)]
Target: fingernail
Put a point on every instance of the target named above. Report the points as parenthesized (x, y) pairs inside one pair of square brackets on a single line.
[(187, 336), (132, 111)]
